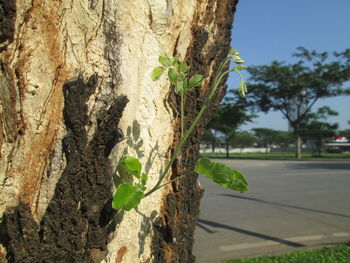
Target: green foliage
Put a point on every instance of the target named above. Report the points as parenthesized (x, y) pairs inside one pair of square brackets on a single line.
[(221, 174), (228, 117), (195, 81), (244, 139), (210, 138), (183, 67), (177, 74), (345, 133), (132, 166), (165, 60), (242, 87), (172, 74), (156, 73), (293, 89), (267, 137), (128, 196), (336, 254), (316, 130)]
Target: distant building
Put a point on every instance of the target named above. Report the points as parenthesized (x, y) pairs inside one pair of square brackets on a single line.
[(338, 144)]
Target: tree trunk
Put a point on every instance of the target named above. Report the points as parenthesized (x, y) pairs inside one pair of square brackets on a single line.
[(227, 149), (76, 96), (298, 143)]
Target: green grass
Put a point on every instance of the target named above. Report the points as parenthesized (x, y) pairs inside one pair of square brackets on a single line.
[(336, 254), (283, 156)]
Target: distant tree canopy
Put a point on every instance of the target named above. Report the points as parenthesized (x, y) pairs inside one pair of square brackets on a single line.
[(243, 139), (293, 89), (345, 133), (229, 116), (210, 138), (268, 137), (316, 129)]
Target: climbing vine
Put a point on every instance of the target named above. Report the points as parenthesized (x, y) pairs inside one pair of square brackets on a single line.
[(127, 195)]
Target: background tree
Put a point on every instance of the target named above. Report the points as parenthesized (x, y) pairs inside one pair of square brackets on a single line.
[(228, 117), (315, 128), (293, 89), (345, 133), (210, 138), (283, 139), (268, 137), (243, 139), (76, 95)]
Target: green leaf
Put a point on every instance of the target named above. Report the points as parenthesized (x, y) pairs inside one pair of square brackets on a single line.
[(242, 88), (140, 187), (156, 73), (222, 174), (122, 196), (195, 81), (144, 178), (134, 200), (126, 197), (240, 67), (240, 183), (185, 85), (238, 60), (176, 60), (132, 165), (162, 60), (179, 86), (165, 60), (233, 52), (172, 74), (183, 67)]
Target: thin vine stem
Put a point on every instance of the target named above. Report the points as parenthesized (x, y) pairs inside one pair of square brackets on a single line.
[(184, 138), (182, 98), (176, 179)]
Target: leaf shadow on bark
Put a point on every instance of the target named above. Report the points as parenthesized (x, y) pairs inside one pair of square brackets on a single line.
[(146, 225)]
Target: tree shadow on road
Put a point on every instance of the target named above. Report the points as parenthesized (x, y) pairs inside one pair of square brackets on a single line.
[(285, 205), (202, 222), (320, 165)]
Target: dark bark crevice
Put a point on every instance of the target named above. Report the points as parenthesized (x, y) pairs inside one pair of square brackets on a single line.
[(7, 22), (77, 224)]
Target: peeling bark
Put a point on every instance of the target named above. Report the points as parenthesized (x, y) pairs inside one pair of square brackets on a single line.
[(75, 96)]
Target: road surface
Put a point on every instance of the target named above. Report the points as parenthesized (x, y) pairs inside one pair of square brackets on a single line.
[(290, 205)]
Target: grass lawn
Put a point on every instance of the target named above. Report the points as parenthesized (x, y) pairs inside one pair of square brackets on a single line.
[(283, 156), (336, 254)]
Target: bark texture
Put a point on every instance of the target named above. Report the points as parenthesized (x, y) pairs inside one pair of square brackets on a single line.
[(75, 96)]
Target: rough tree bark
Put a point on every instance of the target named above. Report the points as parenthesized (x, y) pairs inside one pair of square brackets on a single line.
[(76, 95), (298, 145)]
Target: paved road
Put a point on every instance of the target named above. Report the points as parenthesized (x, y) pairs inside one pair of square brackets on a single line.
[(290, 205)]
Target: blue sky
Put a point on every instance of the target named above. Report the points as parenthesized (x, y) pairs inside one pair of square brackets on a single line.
[(269, 30)]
